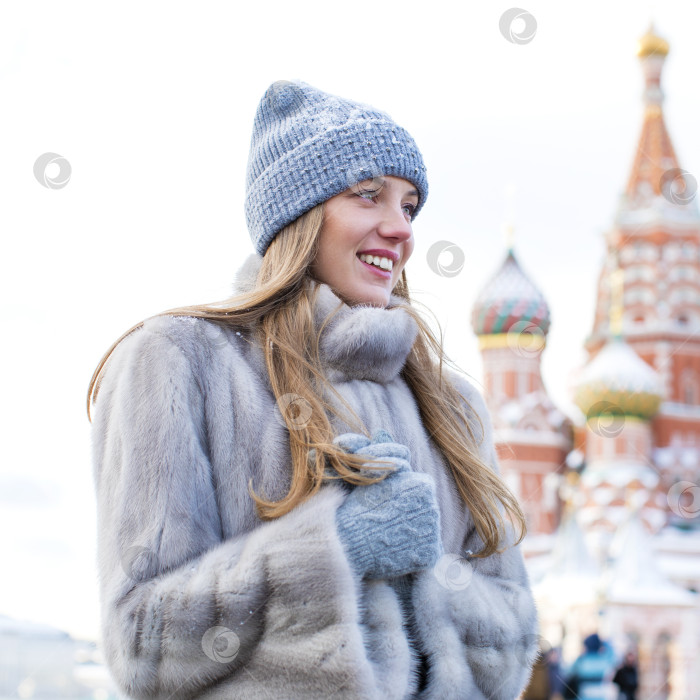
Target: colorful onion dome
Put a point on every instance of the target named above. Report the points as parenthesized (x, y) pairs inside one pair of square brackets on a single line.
[(618, 382), (652, 45), (510, 302)]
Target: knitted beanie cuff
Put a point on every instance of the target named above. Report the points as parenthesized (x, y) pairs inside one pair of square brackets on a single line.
[(309, 146)]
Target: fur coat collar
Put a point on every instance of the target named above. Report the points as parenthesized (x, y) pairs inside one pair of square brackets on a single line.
[(358, 342)]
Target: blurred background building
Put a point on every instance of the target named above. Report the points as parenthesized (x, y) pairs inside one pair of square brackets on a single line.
[(40, 662), (611, 496)]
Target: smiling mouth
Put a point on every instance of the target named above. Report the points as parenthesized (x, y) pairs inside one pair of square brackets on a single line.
[(377, 261)]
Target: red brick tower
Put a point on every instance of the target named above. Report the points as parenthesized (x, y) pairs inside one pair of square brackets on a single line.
[(655, 243), (637, 501)]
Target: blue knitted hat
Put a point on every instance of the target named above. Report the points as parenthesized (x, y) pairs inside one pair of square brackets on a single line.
[(308, 146)]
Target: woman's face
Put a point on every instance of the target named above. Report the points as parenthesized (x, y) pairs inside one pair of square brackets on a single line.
[(366, 239)]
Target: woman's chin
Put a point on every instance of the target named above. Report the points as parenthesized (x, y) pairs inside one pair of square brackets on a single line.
[(361, 295)]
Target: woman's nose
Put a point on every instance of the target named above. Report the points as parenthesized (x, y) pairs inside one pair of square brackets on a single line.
[(395, 224)]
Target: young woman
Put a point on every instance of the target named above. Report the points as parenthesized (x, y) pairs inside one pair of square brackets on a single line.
[(295, 498)]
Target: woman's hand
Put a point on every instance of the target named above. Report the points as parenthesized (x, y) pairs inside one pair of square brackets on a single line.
[(392, 527)]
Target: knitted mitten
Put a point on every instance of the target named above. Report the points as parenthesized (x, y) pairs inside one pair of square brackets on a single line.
[(353, 442), (392, 527)]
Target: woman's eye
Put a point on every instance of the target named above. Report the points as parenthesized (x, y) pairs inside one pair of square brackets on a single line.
[(409, 209)]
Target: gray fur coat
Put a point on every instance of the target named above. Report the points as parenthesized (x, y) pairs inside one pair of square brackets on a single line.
[(202, 599)]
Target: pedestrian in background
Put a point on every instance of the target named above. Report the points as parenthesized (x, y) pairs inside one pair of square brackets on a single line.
[(589, 675), (626, 677)]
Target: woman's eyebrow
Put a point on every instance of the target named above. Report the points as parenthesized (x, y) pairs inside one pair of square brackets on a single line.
[(408, 193)]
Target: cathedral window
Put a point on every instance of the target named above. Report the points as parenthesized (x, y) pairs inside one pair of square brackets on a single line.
[(689, 387), (683, 272), (671, 252), (523, 383), (498, 389), (627, 254), (683, 295), (640, 272), (688, 395), (639, 295)]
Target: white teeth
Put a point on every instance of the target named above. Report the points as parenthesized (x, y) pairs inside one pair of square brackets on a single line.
[(383, 263)]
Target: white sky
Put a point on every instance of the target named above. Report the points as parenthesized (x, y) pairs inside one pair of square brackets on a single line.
[(152, 104)]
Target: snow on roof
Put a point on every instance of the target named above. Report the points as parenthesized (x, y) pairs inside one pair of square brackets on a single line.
[(635, 577), (680, 566), (573, 575), (619, 367), (657, 211), (618, 473), (685, 456), (671, 539)]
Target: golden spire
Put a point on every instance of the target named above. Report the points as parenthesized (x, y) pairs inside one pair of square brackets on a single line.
[(655, 154), (510, 237), (651, 44), (509, 227)]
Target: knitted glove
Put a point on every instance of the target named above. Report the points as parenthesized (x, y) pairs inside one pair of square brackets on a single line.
[(392, 527)]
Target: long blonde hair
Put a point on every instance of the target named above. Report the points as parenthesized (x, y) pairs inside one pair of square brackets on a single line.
[(279, 311)]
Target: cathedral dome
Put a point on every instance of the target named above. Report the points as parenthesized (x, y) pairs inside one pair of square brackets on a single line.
[(510, 302), (618, 381), (652, 45)]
